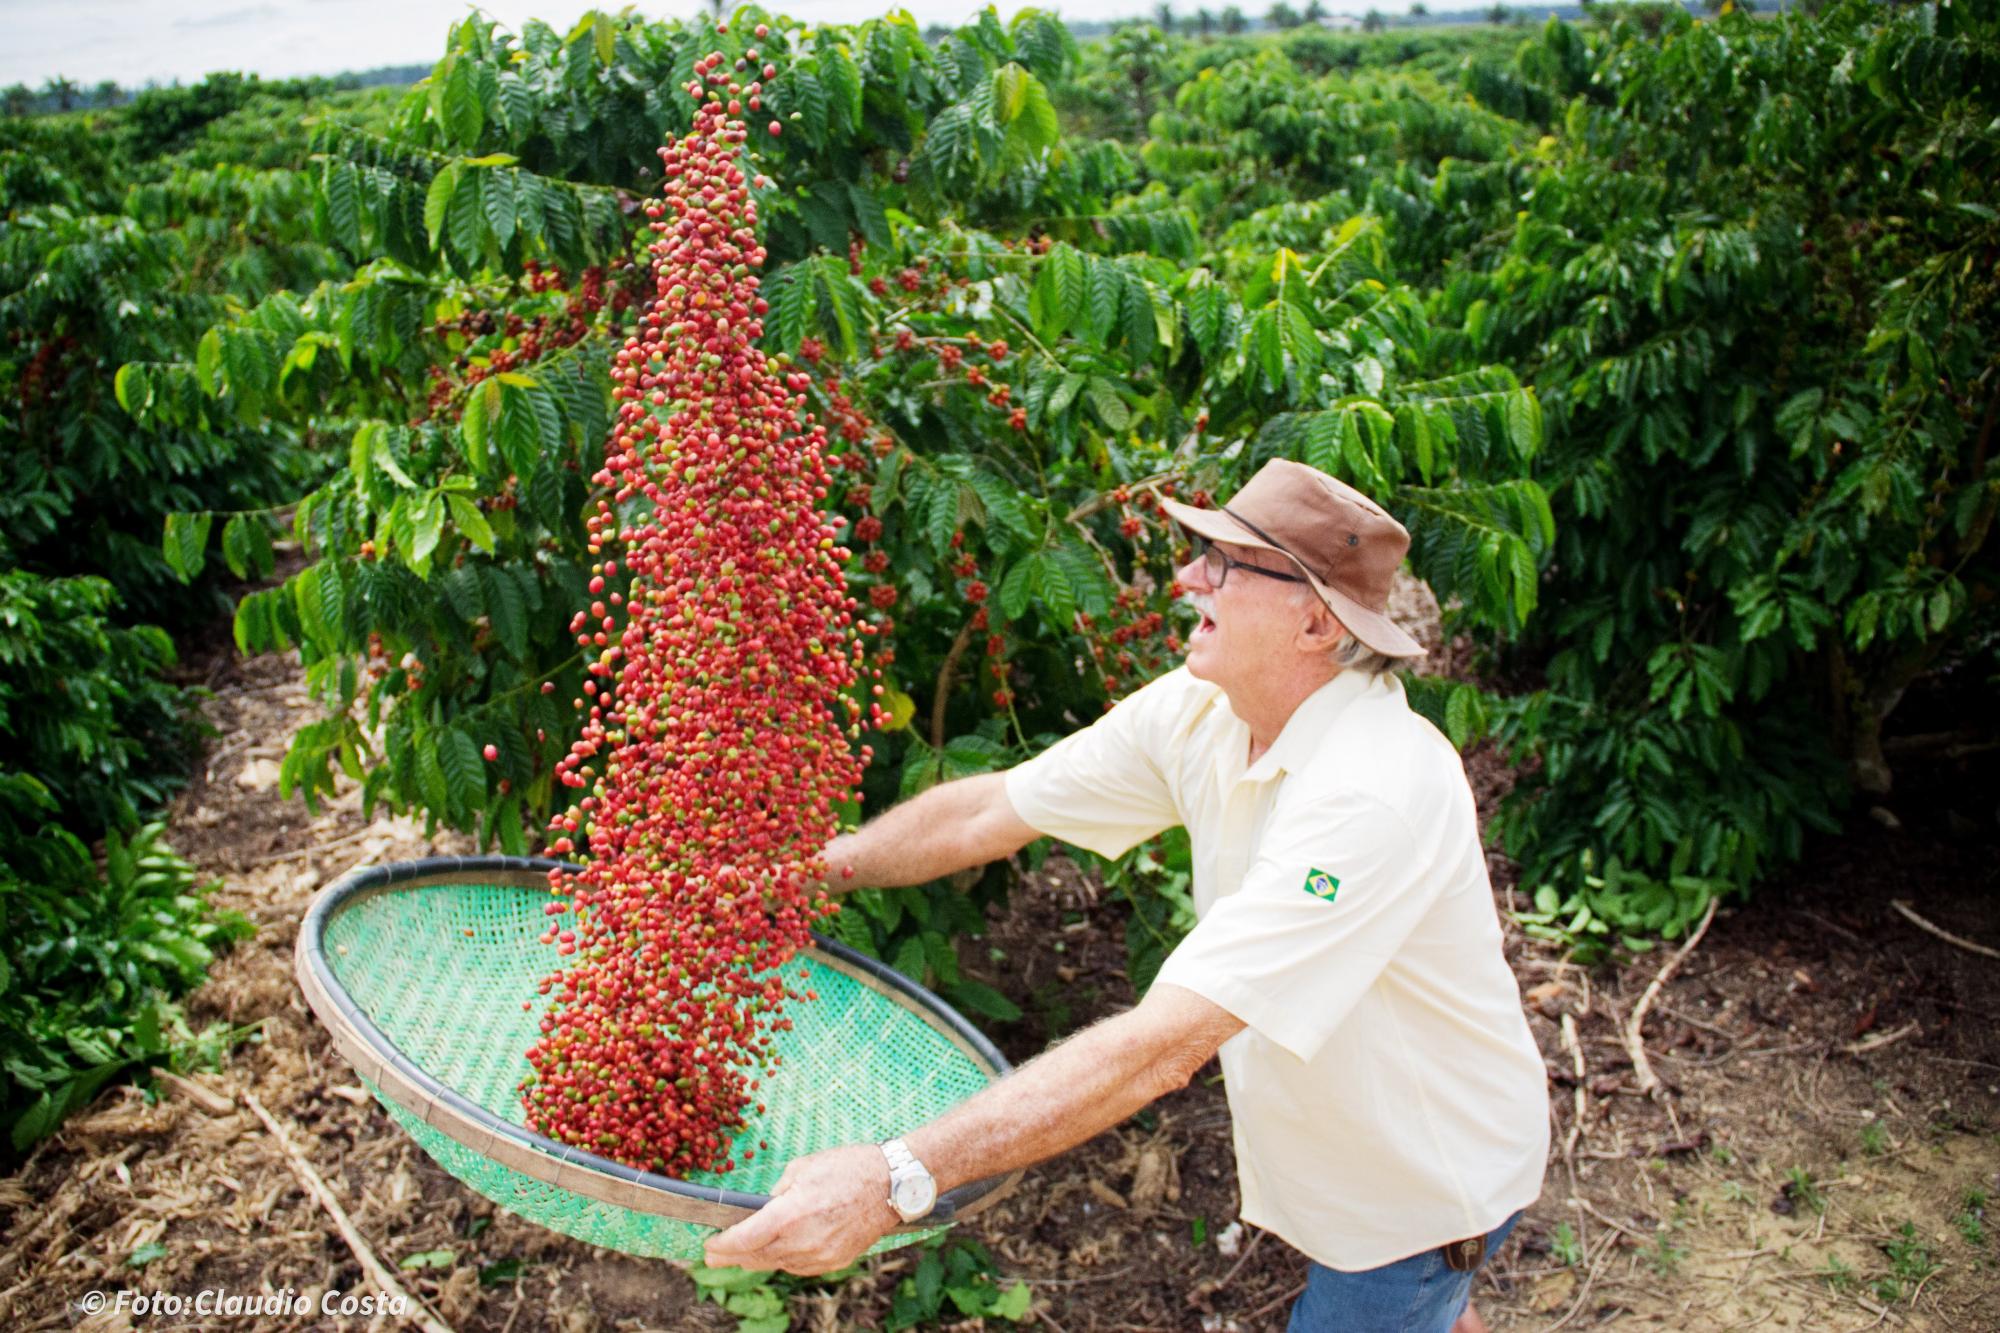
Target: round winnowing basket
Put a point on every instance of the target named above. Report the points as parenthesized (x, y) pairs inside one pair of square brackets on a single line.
[(420, 969)]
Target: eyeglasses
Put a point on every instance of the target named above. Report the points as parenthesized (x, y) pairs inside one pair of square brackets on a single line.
[(1217, 563)]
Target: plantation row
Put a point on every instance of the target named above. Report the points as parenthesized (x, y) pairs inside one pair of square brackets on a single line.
[(1671, 342)]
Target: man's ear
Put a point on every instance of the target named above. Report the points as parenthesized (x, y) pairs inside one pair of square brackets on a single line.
[(1322, 631)]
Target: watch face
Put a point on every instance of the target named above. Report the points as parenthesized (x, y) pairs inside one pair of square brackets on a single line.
[(915, 1195)]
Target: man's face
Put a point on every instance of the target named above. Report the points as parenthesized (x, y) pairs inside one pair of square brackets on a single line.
[(1248, 625)]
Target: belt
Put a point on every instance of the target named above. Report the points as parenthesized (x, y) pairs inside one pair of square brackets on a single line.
[(1464, 1256)]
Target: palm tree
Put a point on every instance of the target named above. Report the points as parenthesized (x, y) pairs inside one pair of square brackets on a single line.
[(1497, 14), (1373, 21), (1233, 21), (1163, 15), (107, 93), (1282, 15), (62, 90), (18, 98), (1204, 22), (1419, 9), (1314, 12)]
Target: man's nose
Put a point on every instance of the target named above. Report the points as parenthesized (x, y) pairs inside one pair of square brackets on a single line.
[(1194, 574)]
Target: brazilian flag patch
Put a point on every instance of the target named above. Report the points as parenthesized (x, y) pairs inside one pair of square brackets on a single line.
[(1321, 884)]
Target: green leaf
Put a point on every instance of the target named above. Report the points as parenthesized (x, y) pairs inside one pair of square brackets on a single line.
[(1021, 583), (840, 315), (463, 768), (1299, 340), (208, 362), (843, 85), (246, 546), (869, 216), (37, 1122), (1057, 588), (1010, 92), (983, 1000), (145, 1254), (499, 197), (428, 1259), (185, 544), (438, 199), (373, 440), (466, 517), (909, 959), (132, 387), (426, 527), (1140, 326), (1104, 298), (1110, 408), (1058, 295), (825, 208), (502, 1270), (482, 405), (1012, 1304), (465, 221), (460, 108), (430, 777), (941, 514), (792, 305), (507, 609), (343, 206), (1524, 423)]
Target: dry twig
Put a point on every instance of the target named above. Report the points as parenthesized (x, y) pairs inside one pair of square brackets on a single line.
[(1902, 905), (206, 1098), (384, 1280), (1876, 1041), (1635, 1045), (1575, 1049)]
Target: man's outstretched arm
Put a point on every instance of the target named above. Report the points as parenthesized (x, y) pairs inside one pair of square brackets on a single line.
[(950, 827), (830, 1207)]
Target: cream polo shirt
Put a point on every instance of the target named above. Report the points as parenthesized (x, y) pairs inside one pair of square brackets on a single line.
[(1386, 1093)]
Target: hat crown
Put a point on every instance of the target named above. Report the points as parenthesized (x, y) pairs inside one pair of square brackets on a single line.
[(1338, 534)]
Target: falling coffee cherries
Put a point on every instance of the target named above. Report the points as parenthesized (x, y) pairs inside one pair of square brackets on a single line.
[(714, 751)]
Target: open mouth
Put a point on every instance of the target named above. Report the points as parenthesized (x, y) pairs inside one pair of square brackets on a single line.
[(1207, 625)]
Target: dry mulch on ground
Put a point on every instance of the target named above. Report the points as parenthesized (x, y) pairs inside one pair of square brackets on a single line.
[(1833, 1073)]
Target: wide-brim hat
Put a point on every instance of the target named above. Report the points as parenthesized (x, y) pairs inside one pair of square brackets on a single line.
[(1344, 543)]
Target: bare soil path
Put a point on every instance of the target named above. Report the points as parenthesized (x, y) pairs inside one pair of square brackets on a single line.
[(1823, 1159)]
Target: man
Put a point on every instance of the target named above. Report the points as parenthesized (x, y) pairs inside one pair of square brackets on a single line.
[(1390, 1105)]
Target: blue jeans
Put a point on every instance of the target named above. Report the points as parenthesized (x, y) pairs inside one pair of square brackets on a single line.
[(1420, 1294)]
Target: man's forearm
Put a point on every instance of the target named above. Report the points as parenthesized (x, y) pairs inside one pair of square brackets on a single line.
[(1076, 1090), (929, 835)]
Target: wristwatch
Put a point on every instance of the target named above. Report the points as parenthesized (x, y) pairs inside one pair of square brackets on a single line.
[(912, 1191)]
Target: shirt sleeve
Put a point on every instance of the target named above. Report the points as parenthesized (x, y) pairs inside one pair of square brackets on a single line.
[(1105, 788), (1334, 892)]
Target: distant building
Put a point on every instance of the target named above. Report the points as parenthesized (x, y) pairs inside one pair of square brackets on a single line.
[(1340, 23)]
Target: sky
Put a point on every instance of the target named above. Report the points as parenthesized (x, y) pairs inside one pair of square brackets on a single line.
[(133, 41)]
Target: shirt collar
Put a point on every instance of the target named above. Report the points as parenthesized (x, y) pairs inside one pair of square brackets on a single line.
[(1308, 724)]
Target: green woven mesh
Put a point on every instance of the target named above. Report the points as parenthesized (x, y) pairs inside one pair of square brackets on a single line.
[(856, 1066)]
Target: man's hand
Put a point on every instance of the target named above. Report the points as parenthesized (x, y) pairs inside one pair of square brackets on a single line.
[(826, 1210)]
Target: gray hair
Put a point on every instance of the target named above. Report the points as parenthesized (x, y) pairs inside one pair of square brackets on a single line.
[(1350, 654)]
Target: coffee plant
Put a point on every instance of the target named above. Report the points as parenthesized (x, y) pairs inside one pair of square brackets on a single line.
[(94, 961), (109, 252)]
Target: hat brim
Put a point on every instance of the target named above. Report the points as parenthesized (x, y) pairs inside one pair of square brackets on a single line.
[(1371, 627)]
